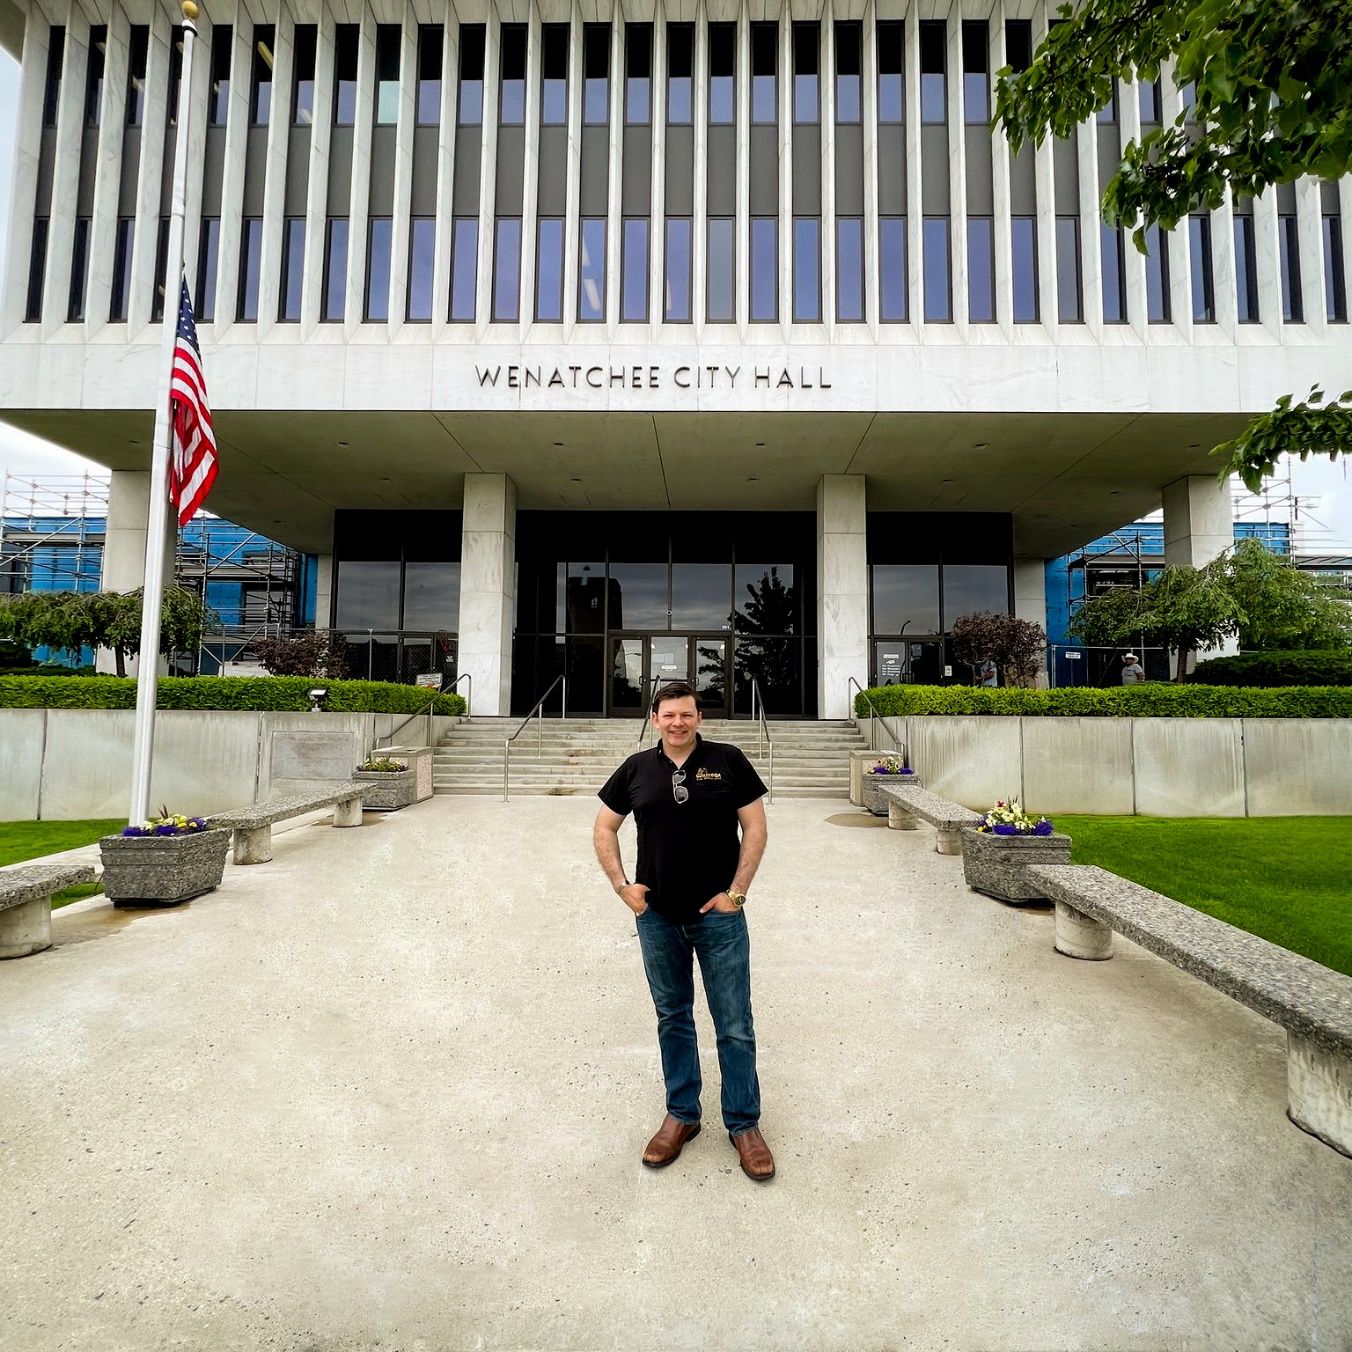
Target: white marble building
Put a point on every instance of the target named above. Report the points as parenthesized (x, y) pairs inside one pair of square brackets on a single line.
[(636, 308)]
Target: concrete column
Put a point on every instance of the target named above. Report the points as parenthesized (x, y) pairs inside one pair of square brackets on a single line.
[(842, 591), (124, 546), (1199, 525), (323, 590), (487, 568), (1030, 598)]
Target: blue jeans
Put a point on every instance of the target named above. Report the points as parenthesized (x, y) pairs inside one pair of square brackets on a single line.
[(720, 941)]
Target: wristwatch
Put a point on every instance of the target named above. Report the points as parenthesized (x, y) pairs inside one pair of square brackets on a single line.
[(738, 899)]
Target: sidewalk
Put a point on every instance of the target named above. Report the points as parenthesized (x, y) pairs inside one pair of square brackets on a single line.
[(391, 1089)]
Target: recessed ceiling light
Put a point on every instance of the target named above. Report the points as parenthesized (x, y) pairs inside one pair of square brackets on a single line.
[(387, 481), (133, 443), (1193, 445), (558, 443), (577, 481), (752, 479), (945, 481), (760, 444), (344, 443), (980, 445)]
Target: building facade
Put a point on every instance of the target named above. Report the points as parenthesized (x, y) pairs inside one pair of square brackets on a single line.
[(715, 340)]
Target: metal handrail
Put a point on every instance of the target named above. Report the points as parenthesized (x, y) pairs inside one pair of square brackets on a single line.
[(877, 718), (426, 709), (469, 699), (763, 738), (540, 733), (644, 718)]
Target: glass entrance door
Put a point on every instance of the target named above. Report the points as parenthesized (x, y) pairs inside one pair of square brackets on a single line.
[(711, 675), (640, 664)]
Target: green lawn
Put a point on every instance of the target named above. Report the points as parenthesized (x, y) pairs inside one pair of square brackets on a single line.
[(31, 840), (1288, 879)]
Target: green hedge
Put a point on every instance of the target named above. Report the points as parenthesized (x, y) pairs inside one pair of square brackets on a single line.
[(1277, 669), (1149, 700), (273, 693)]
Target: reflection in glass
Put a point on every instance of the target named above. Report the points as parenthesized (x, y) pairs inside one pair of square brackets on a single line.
[(1069, 305), (345, 50), (764, 56), (933, 71), (699, 596), (980, 270), (1246, 271), (891, 71), (1024, 242), (722, 73), (719, 303), (585, 599), (507, 270), (764, 269), (638, 596), (938, 297), (554, 74), (807, 294), (626, 675), (421, 261), (584, 666), (464, 267), (368, 595), (432, 596), (549, 269), (427, 96), (776, 664), (591, 273), (676, 261), (680, 70), (711, 675), (905, 597), (304, 48), (849, 269), (1203, 287), (848, 67), (765, 598), (1288, 237), (470, 105), (206, 268), (378, 268), (388, 40), (1156, 276), (970, 588), (1114, 278), (892, 289), (293, 260), (634, 271), (512, 59), (668, 660), (335, 269), (250, 253)]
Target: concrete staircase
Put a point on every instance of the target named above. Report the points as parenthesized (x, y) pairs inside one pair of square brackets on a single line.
[(578, 754)]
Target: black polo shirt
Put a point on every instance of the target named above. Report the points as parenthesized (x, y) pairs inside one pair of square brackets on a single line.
[(687, 852)]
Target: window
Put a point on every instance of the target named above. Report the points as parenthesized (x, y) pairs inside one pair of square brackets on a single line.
[(905, 596), (250, 266), (549, 269), (554, 75), (51, 90), (764, 269), (638, 74), (79, 264), (470, 104), (138, 49), (891, 71), (206, 268), (722, 270), (1156, 276), (1114, 276), (161, 266), (512, 108), (1335, 280), (422, 258), (388, 40), (722, 73), (1069, 283), (98, 46), (37, 272), (464, 268), (980, 270), (1188, 95), (938, 291), (345, 46), (764, 64), (591, 272), (218, 105), (378, 240), (806, 69), (303, 95), (1107, 112), (427, 96), (507, 270), (1203, 284), (122, 247), (260, 80), (1246, 271), (933, 72), (893, 283), (680, 73), (1019, 44), (849, 68), (634, 271), (849, 269), (973, 587), (596, 73), (807, 270), (334, 303), (976, 82), (1024, 242), (676, 297), (1288, 241), (293, 269), (175, 74), (1148, 95)]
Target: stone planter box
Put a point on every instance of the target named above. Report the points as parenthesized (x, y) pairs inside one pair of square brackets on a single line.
[(162, 870), (419, 759), (388, 790), (996, 865), (875, 800)]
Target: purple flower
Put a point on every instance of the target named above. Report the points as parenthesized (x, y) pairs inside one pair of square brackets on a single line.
[(133, 831), (1005, 829), (167, 830), (198, 823), (1043, 828)]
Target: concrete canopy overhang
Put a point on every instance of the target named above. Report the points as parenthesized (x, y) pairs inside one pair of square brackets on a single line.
[(1064, 477)]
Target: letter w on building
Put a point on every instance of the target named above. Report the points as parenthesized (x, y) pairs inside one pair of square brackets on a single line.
[(192, 468)]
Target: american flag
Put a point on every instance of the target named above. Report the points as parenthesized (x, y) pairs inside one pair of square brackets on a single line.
[(192, 469)]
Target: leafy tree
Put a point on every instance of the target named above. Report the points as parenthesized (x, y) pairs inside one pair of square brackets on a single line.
[(1283, 607), (974, 640), (1270, 81), (1023, 651), (319, 652)]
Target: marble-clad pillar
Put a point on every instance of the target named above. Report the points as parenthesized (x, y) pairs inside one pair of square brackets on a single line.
[(842, 591), (1199, 525), (1030, 597), (323, 590), (124, 546), (487, 569)]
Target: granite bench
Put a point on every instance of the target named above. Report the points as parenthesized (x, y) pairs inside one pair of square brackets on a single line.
[(1311, 1002), (907, 801), (252, 826), (26, 904)]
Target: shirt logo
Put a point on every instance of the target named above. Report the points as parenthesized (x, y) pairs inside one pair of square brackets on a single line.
[(702, 773)]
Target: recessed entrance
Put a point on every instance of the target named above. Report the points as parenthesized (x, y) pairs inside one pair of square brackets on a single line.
[(642, 663)]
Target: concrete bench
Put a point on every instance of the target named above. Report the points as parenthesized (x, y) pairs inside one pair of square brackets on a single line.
[(1311, 1002), (907, 802), (26, 904), (253, 825)]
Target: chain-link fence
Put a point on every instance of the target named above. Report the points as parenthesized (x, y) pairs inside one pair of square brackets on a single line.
[(1071, 664), (371, 654)]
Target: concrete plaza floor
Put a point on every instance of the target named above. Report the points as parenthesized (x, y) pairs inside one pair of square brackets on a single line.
[(390, 1091)]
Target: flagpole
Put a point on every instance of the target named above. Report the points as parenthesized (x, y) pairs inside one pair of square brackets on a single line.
[(148, 665)]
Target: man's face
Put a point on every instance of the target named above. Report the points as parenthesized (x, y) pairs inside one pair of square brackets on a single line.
[(677, 720)]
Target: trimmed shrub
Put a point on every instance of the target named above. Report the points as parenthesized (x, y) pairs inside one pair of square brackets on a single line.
[(1149, 700), (1318, 667), (271, 693)]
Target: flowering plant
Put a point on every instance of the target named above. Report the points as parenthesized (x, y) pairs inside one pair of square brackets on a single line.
[(890, 765), (167, 825), (1009, 819), (385, 765)]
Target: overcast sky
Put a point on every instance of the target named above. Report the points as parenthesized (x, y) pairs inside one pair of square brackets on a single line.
[(1328, 485)]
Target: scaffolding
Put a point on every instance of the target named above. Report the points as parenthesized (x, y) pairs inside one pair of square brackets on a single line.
[(66, 513)]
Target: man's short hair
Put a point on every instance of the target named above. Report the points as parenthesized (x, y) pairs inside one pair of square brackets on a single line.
[(674, 690)]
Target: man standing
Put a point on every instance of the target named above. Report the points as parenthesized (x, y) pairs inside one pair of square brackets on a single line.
[(689, 797), (1133, 673)]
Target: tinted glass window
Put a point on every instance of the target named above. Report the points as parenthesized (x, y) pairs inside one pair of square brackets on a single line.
[(507, 270), (721, 270), (206, 268), (806, 69), (938, 294), (345, 42), (1069, 296), (428, 98), (596, 73), (848, 68), (549, 269), (378, 268), (303, 90), (807, 268), (1024, 249), (973, 587), (892, 279), (334, 302), (1288, 241), (905, 598), (933, 71), (764, 59), (512, 110), (431, 595), (1203, 286), (122, 247), (891, 72), (368, 594), (680, 72), (98, 47), (293, 268), (676, 288), (422, 256), (250, 265), (464, 268), (976, 84), (51, 92), (470, 100), (980, 270), (638, 70), (260, 89), (591, 300), (1114, 284), (722, 72), (37, 272), (136, 74), (764, 269), (1156, 276), (554, 74), (1246, 271), (634, 265), (849, 269), (1335, 275)]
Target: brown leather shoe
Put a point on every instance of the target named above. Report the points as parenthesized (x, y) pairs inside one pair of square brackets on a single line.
[(669, 1141), (757, 1161)]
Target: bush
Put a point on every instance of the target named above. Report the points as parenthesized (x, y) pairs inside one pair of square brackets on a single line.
[(272, 693), (319, 653), (1321, 667), (1150, 700)]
